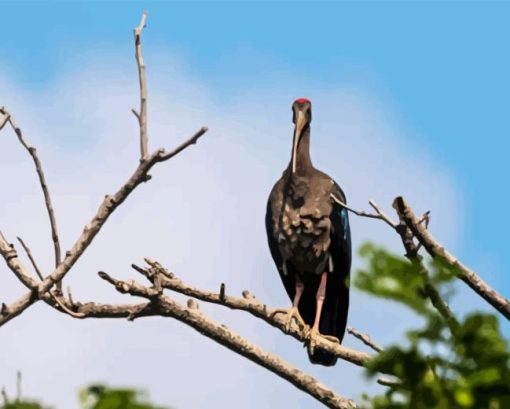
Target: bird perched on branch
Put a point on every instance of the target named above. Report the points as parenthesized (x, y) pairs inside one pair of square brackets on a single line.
[(310, 241)]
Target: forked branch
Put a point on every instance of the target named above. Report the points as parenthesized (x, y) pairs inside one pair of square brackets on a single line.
[(110, 203), (249, 304), (419, 230), (42, 181)]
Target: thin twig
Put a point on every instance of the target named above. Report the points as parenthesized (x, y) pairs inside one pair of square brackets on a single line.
[(54, 297), (383, 215), (70, 295), (29, 254), (64, 307), (42, 181), (191, 141), (425, 218), (380, 214), (142, 115), (365, 338), (222, 292)]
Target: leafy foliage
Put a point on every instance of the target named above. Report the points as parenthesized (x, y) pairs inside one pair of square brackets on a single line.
[(440, 367), (22, 405), (102, 397), (98, 397)]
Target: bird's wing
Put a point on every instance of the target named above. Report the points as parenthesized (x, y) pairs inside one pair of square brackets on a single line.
[(287, 276), (336, 304), (341, 231)]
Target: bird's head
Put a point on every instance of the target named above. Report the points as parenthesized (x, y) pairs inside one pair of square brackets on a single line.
[(302, 116)]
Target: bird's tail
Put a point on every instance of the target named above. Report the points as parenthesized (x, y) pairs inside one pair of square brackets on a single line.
[(321, 357), (333, 318)]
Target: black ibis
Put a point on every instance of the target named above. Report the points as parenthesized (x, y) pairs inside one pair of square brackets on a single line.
[(310, 241)]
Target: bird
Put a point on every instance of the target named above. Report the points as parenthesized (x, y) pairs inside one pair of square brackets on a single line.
[(309, 238)]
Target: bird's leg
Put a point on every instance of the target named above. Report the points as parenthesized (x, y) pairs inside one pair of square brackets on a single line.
[(314, 332), (293, 312)]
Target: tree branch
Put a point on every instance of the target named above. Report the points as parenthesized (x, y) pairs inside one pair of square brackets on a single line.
[(31, 258), (162, 305), (224, 336), (42, 181), (435, 249), (251, 305), (8, 312), (10, 255), (412, 254), (379, 213), (142, 115), (107, 207), (365, 338)]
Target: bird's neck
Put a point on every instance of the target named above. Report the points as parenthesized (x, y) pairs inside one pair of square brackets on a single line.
[(303, 161)]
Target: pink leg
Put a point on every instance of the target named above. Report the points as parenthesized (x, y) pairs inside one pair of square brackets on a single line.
[(293, 312), (320, 297), (299, 291)]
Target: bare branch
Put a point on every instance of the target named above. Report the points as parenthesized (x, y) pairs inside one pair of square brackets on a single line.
[(383, 215), (5, 117), (222, 292), (135, 113), (10, 255), (412, 254), (191, 141), (435, 249), (11, 311), (29, 254), (107, 207), (380, 214), (42, 181), (224, 336), (251, 305), (26, 278), (365, 338), (142, 116), (64, 307), (425, 218)]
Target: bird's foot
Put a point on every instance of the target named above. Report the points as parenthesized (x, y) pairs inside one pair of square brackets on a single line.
[(313, 335), (292, 312)]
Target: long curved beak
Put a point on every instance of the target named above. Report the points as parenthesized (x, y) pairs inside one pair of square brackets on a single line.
[(300, 124)]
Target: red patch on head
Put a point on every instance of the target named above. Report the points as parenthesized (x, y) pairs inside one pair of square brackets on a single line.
[(301, 101)]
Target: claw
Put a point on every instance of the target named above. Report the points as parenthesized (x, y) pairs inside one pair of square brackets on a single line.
[(291, 313), (313, 335)]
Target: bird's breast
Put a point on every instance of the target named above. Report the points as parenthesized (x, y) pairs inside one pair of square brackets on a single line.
[(304, 236)]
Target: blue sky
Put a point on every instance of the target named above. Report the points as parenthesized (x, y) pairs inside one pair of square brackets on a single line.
[(441, 66), (429, 81)]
